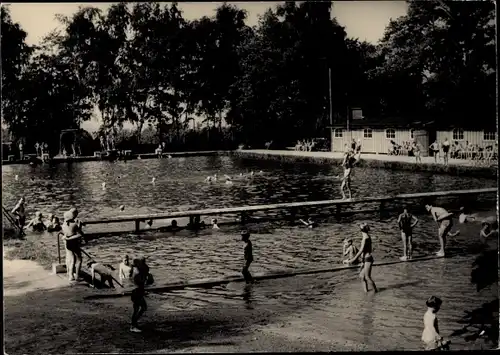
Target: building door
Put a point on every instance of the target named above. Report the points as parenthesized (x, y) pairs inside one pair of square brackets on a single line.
[(422, 138)]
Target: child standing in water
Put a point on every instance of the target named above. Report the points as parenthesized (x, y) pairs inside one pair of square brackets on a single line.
[(248, 252), (430, 335)]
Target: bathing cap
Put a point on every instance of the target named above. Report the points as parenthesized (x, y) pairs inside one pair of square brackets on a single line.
[(74, 212), (245, 233), (68, 215), (364, 227)]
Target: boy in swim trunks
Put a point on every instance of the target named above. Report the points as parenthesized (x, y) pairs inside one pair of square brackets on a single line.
[(139, 277), (406, 223), (348, 164), (444, 220), (248, 253)]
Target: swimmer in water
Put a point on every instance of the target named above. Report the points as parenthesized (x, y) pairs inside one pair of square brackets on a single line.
[(365, 252), (173, 227), (430, 336), (349, 250), (20, 212), (348, 164), (229, 180), (406, 223), (208, 179), (309, 223), (464, 217), (54, 224), (443, 218), (37, 223), (489, 231), (214, 224)]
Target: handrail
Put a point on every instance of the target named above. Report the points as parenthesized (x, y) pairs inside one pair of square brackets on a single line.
[(288, 205)]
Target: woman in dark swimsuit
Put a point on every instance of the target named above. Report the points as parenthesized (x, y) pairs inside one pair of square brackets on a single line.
[(365, 251)]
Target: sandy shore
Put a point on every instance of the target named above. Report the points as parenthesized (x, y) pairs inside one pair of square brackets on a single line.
[(44, 314)]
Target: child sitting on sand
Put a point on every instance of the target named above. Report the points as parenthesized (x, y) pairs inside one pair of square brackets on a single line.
[(350, 251), (430, 335), (37, 223)]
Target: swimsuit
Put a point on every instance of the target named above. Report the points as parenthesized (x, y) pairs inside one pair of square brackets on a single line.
[(405, 224), (367, 250)]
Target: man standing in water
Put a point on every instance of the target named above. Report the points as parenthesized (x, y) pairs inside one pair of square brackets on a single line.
[(406, 223), (444, 220), (20, 213)]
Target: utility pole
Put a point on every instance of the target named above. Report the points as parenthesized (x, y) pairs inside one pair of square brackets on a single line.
[(330, 94)]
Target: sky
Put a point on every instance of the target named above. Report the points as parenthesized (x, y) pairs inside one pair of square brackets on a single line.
[(365, 20)]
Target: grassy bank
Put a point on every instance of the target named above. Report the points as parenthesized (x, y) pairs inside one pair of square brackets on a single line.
[(28, 249), (458, 170)]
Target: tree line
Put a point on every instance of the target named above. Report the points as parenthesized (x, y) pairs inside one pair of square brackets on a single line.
[(145, 64)]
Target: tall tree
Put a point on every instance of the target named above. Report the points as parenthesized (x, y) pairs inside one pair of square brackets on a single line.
[(442, 56), (15, 58)]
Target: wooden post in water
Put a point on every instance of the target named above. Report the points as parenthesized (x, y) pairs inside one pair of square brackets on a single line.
[(243, 218), (337, 214), (137, 225), (382, 204), (293, 214)]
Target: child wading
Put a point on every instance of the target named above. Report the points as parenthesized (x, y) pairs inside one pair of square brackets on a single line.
[(365, 251), (245, 236), (430, 336), (140, 275)]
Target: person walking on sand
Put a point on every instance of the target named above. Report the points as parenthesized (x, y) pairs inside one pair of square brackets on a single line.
[(430, 336), (248, 254), (406, 223), (365, 252), (443, 218), (72, 238)]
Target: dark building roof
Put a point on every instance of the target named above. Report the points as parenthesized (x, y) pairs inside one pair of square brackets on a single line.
[(417, 123)]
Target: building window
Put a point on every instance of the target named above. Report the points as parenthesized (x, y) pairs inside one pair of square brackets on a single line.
[(390, 133), (367, 133), (489, 136), (338, 133), (458, 134), (412, 134)]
